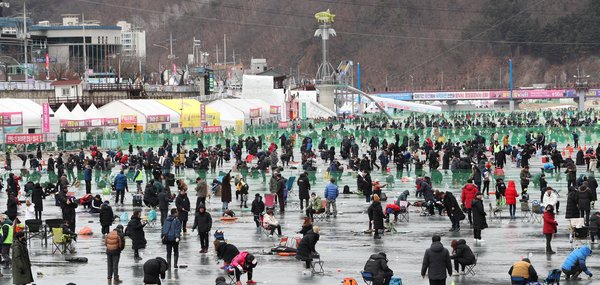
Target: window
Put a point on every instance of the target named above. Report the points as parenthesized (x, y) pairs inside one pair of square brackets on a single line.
[(66, 92)]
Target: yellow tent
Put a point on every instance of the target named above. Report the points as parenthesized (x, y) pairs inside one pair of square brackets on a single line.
[(189, 109)]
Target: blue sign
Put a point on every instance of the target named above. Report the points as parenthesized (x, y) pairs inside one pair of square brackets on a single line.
[(396, 96)]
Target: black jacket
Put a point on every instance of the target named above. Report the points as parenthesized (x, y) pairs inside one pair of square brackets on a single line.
[(164, 200), (584, 199), (106, 215), (375, 213), (303, 187), (11, 207), (202, 222), (594, 224), (593, 185), (225, 251), (135, 231), (464, 254), (306, 247), (37, 197), (572, 210), (150, 196), (258, 207), (436, 262), (377, 265), (478, 212), (69, 213), (154, 270), (182, 202)]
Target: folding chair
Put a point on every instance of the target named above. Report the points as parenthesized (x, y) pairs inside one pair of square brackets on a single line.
[(526, 213), (33, 228), (230, 273), (316, 265), (367, 277), (269, 201), (61, 242), (50, 224), (536, 212), (404, 216), (151, 218), (579, 232), (553, 277), (470, 269), (496, 213)]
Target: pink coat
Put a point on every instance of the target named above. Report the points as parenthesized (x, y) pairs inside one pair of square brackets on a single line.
[(239, 260)]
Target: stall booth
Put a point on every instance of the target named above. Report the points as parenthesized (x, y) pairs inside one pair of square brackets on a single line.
[(230, 118), (142, 115), (194, 115)]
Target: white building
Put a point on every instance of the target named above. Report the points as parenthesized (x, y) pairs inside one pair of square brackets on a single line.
[(65, 43), (133, 40)]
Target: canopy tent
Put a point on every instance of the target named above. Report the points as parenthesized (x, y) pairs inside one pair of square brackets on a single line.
[(24, 116), (255, 111), (78, 113), (97, 119), (190, 111), (63, 113), (388, 103), (148, 115), (229, 117)]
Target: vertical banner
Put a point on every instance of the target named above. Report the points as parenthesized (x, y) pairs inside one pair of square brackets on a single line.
[(45, 118), (303, 110), (202, 112)]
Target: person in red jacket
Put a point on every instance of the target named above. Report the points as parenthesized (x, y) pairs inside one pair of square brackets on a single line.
[(550, 227), (467, 195), (511, 198)]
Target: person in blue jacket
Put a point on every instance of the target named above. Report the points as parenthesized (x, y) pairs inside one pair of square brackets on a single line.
[(171, 233), (120, 187), (331, 193), (575, 263)]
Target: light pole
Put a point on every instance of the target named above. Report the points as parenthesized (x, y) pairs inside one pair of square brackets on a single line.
[(511, 103)]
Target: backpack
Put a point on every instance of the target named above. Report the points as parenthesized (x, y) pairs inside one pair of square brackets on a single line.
[(536, 207), (396, 281), (349, 281)]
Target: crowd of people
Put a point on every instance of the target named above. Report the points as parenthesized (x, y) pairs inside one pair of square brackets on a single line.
[(157, 177)]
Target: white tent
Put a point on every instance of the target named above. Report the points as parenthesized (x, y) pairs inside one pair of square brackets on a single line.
[(26, 113), (387, 103), (246, 105), (78, 113), (63, 113), (229, 116), (137, 112), (95, 116)]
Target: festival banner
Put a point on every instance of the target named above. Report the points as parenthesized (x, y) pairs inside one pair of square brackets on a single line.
[(283, 125), (24, 138), (51, 137), (158, 118), (303, 111), (8, 119), (110, 122), (69, 124), (202, 112), (128, 119), (45, 118), (212, 129), (255, 113), (274, 110)]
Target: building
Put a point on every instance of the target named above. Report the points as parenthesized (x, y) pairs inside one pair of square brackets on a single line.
[(133, 40), (12, 53), (64, 44), (68, 89)]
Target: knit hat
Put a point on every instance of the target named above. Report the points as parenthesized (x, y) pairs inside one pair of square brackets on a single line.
[(376, 198)]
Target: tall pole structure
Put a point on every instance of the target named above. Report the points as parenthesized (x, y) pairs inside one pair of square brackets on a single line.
[(511, 103), (25, 39), (326, 71), (581, 86), (85, 65)]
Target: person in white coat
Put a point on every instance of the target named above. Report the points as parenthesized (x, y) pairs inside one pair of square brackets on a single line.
[(550, 198), (29, 210)]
